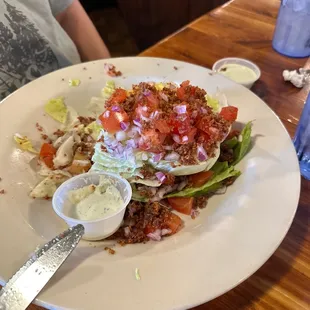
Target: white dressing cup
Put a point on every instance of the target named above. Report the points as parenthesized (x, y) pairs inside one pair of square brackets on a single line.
[(99, 228)]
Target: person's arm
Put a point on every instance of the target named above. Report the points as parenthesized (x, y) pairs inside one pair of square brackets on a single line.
[(75, 21)]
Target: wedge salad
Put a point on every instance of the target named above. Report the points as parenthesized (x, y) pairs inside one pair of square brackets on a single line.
[(175, 144)]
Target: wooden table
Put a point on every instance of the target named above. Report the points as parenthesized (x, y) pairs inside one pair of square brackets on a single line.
[(244, 28)]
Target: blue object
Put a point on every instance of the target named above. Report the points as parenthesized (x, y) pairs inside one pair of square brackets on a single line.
[(302, 140), (292, 33)]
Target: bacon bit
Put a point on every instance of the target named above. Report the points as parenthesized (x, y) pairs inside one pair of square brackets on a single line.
[(101, 139), (2, 192), (58, 133), (44, 136), (103, 148), (86, 120), (39, 127), (47, 198), (111, 251), (111, 70), (175, 68), (170, 178)]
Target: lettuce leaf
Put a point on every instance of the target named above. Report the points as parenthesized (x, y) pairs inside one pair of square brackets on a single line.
[(136, 195), (24, 143), (213, 103), (74, 82), (242, 147), (231, 143), (57, 109)]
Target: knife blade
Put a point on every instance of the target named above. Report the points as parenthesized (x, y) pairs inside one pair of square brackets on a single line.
[(30, 279)]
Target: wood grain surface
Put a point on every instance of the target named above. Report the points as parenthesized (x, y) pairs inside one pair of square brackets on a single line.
[(244, 28)]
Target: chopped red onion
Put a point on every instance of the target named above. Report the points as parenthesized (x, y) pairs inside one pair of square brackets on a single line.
[(160, 176), (194, 114), (203, 110), (124, 125), (131, 143), (154, 114), (176, 138), (115, 108), (184, 138), (146, 92), (194, 214), (156, 235), (168, 147), (173, 156), (165, 231), (180, 109), (107, 67), (201, 153), (158, 157), (106, 113), (214, 130), (163, 96), (120, 136), (144, 108), (137, 122), (126, 231)]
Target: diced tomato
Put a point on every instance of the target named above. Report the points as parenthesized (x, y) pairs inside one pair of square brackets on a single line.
[(152, 102), (229, 113), (204, 125), (152, 141), (162, 125), (180, 124), (174, 223), (193, 90), (182, 204), (149, 229), (200, 178), (202, 137), (111, 120), (141, 111), (185, 83), (181, 93), (118, 96), (47, 154)]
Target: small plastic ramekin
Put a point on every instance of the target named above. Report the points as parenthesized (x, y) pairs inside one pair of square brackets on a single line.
[(94, 229), (240, 61)]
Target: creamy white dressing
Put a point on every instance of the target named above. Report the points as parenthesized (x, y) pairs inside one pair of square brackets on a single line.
[(95, 202), (238, 73)]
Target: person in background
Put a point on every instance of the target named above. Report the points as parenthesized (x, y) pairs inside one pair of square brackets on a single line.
[(41, 36)]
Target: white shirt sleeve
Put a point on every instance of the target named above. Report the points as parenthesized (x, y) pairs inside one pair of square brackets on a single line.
[(59, 6)]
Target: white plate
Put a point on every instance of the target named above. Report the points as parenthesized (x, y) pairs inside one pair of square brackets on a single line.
[(227, 243)]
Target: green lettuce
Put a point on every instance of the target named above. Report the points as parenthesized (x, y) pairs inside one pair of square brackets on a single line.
[(213, 103), (242, 148)]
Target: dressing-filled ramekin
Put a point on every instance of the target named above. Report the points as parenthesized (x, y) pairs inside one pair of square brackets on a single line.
[(100, 228), (239, 61)]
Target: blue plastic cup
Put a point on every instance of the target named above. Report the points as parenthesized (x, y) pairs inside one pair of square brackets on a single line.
[(292, 33), (302, 140)]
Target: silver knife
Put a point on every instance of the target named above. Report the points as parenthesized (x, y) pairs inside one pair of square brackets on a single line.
[(30, 279)]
